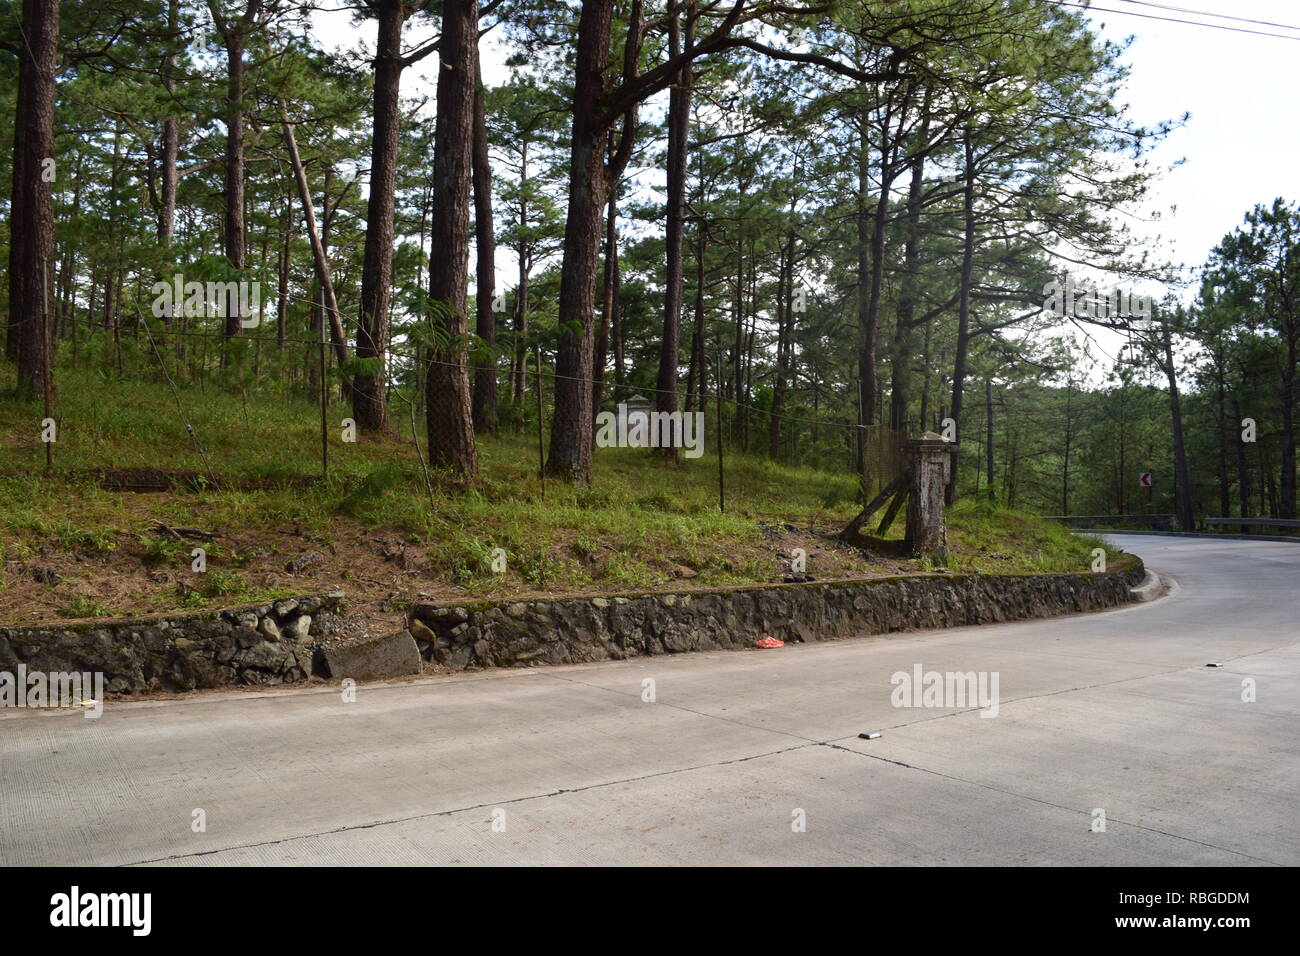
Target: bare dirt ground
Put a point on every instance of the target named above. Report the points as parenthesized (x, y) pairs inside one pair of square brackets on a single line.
[(381, 572)]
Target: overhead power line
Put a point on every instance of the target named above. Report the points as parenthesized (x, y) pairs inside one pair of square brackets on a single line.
[(1209, 13), (1195, 23)]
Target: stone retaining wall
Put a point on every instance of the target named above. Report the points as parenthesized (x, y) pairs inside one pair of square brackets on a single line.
[(575, 630), (261, 644), (286, 641)]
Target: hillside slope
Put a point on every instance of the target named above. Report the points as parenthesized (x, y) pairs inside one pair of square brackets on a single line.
[(76, 543)]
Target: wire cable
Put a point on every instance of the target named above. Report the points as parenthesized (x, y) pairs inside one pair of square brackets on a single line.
[(1208, 13), (1195, 23)]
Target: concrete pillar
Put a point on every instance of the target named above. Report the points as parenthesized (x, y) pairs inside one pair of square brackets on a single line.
[(928, 459)]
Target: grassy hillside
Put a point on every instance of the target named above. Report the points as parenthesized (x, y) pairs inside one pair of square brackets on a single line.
[(71, 548)]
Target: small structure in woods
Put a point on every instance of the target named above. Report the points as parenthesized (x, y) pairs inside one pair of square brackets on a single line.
[(639, 403), (921, 484)]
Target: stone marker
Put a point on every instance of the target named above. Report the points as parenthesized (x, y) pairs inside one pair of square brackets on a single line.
[(375, 659)]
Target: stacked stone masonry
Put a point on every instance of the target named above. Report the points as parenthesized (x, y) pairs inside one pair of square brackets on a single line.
[(284, 641)]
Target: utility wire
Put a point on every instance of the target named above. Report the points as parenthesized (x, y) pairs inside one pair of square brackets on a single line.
[(18, 21), (1195, 23), (1208, 13)]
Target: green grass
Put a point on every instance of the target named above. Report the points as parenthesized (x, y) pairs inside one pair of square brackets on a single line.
[(984, 538), (81, 606), (642, 524)]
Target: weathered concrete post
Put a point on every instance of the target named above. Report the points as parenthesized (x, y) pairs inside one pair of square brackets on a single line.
[(927, 530)]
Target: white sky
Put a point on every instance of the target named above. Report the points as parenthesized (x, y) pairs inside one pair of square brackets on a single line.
[(1241, 145)]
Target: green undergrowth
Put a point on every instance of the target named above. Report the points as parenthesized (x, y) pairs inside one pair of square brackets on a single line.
[(642, 524), (985, 538)]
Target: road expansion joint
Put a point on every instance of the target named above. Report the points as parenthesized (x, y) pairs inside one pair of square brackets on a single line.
[(697, 713), (564, 791), (1045, 803)]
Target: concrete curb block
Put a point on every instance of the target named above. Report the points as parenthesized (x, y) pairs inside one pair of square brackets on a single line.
[(1152, 587)]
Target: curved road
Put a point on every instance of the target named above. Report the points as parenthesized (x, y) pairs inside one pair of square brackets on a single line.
[(1114, 712)]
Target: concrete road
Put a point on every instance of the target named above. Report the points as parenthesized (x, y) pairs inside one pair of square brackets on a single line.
[(1114, 712)]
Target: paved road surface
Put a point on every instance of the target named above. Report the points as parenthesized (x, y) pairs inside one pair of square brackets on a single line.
[(1115, 711)]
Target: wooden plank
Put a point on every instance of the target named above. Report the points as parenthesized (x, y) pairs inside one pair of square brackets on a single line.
[(856, 524), (894, 505)]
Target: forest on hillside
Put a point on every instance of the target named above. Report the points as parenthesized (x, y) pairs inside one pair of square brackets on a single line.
[(820, 223)]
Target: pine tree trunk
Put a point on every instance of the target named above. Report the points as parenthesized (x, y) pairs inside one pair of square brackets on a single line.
[(871, 267), (485, 374), (282, 276), (369, 399), (1288, 476), (1243, 467), (447, 388), (234, 185), (988, 442), (616, 323), (738, 337), (608, 279), (570, 449), (903, 359), (695, 378), (518, 367), (1225, 493), (31, 211), (170, 135), (963, 314), (319, 242), (784, 316), (1182, 479), (679, 120)]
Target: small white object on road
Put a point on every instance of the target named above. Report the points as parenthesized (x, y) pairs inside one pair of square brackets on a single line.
[(870, 736)]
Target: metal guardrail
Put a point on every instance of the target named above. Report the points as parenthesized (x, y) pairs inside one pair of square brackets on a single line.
[(1166, 522), (1085, 522), (1256, 522), (1104, 517)]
